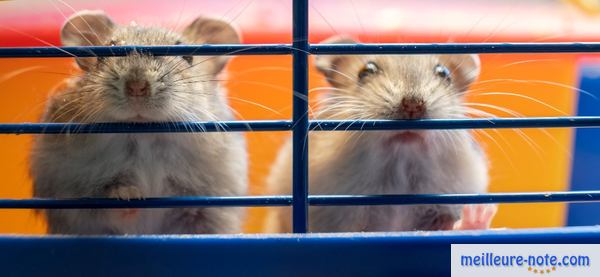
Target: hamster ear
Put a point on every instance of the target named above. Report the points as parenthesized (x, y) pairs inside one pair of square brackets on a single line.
[(334, 67), (465, 69), (212, 31), (86, 28)]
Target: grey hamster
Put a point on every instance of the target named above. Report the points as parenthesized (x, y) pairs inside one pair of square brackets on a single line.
[(141, 88), (388, 162)]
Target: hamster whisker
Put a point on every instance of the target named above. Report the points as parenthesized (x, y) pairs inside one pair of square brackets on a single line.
[(74, 26), (353, 136), (68, 107), (524, 97), (477, 112), (498, 28), (14, 73), (362, 27), (254, 103), (451, 139), (58, 73), (436, 100), (545, 82), (239, 116), (471, 91), (527, 139), (21, 116), (534, 146), (312, 5), (266, 68), (185, 119), (341, 107), (559, 145), (39, 40), (196, 79), (347, 107), (457, 69), (218, 56), (374, 87), (179, 118), (186, 124), (229, 53), (543, 131), (327, 89), (332, 101), (501, 147), (519, 132), (232, 81), (195, 82), (184, 116), (265, 84), (505, 110), (469, 110), (526, 61), (173, 66), (353, 79), (212, 117), (234, 18), (90, 117), (550, 37)]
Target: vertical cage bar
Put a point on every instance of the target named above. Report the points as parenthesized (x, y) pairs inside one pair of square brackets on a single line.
[(300, 117)]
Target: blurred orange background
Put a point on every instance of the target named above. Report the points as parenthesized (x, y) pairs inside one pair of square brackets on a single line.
[(260, 86)]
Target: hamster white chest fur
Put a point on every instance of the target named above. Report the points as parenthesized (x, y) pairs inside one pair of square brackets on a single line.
[(388, 162), (141, 88)]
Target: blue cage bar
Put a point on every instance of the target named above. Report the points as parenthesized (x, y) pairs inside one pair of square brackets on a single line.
[(314, 49), (295, 255), (313, 125)]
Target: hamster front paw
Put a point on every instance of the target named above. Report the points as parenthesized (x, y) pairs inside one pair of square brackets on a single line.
[(126, 192), (476, 217)]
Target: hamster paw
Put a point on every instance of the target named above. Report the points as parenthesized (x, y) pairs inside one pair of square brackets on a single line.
[(126, 192), (476, 217)]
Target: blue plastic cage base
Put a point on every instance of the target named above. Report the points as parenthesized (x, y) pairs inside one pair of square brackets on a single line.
[(343, 254)]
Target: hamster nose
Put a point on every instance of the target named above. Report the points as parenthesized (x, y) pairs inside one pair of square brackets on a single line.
[(413, 108), (137, 88)]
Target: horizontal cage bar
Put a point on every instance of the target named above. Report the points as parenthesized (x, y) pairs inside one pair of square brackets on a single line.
[(314, 200), (163, 50), (315, 49), (453, 48), (286, 125)]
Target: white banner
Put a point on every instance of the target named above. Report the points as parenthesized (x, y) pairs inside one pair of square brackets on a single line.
[(515, 260)]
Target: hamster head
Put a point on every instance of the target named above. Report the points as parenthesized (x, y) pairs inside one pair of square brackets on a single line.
[(396, 86), (139, 86)]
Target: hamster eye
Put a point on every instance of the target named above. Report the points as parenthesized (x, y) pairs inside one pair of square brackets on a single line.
[(188, 59), (370, 68), (442, 72)]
